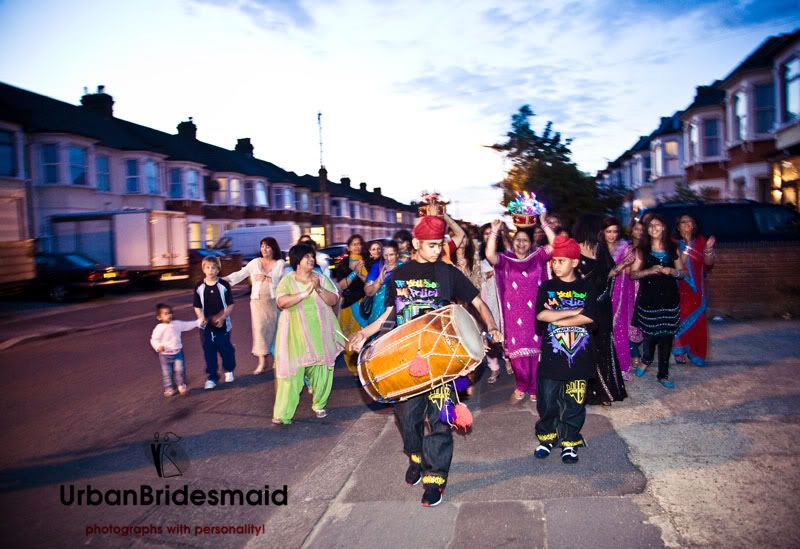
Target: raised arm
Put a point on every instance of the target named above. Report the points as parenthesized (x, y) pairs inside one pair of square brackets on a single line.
[(491, 245), (548, 231), (458, 233), (234, 278), (359, 338)]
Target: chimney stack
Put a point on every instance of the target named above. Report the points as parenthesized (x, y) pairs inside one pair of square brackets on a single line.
[(244, 146), (377, 190), (188, 129), (99, 102), (363, 186), (345, 181)]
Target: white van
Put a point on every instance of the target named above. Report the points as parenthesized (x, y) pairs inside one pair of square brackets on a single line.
[(246, 240)]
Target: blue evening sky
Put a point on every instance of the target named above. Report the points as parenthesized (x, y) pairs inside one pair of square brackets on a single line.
[(410, 90)]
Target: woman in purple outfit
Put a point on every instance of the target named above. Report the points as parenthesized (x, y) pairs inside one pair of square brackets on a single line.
[(519, 273)]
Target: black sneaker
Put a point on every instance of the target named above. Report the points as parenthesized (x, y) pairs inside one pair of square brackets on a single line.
[(542, 451), (569, 455), (413, 474), (432, 496)]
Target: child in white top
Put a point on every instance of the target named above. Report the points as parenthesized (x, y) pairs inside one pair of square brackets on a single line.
[(166, 341)]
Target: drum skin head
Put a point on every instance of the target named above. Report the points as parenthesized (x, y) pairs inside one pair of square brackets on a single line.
[(469, 332)]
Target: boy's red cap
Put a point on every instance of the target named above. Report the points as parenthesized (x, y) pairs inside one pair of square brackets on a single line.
[(430, 227), (564, 246)]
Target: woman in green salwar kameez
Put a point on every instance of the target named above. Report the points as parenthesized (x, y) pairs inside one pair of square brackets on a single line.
[(308, 337)]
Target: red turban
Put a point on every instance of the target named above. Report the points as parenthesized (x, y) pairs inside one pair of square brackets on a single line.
[(563, 246), (430, 227)]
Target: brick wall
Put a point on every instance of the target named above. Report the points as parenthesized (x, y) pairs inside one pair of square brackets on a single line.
[(755, 279)]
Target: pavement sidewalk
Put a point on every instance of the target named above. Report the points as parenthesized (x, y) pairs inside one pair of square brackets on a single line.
[(709, 464)]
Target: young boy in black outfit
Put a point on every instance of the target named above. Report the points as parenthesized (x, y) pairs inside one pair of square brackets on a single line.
[(564, 313), (418, 287), (213, 305)]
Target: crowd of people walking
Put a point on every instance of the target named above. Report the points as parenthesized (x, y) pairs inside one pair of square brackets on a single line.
[(609, 300)]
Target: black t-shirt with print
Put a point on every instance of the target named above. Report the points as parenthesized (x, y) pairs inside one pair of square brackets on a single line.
[(211, 303), (417, 288), (567, 351)]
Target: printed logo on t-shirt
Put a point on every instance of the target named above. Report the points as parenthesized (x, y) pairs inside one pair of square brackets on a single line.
[(569, 340), (416, 297)]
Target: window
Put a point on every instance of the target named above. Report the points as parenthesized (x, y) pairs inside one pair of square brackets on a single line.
[(261, 194), (277, 198), (694, 143), (255, 193), (132, 176), (790, 89), (193, 185), (288, 198), (77, 165), (647, 167), (298, 199), (317, 204), (765, 108), (151, 176), (671, 164), (49, 163), (103, 173), (303, 202), (8, 155), (235, 191), (399, 218), (195, 240), (175, 185), (212, 234), (739, 116), (711, 137), (221, 195), (353, 210), (336, 208)]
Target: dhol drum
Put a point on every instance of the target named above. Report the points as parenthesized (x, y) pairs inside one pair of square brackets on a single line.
[(421, 355)]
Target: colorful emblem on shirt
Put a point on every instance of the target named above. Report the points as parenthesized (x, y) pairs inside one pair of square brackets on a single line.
[(569, 340)]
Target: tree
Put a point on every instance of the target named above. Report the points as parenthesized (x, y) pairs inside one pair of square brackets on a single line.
[(684, 193), (542, 164)]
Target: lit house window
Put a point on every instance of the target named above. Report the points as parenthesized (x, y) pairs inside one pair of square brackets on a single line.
[(49, 163), (235, 191), (740, 116), (175, 184), (151, 177), (132, 176), (711, 137), (790, 89), (671, 164), (288, 198), (193, 184), (103, 172), (765, 108), (221, 195), (77, 165)]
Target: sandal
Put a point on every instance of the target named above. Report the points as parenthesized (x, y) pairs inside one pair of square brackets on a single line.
[(321, 413), (277, 421), (517, 395), (493, 377)]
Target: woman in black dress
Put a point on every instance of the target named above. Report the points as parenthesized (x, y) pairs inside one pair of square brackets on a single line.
[(595, 265), (658, 267)]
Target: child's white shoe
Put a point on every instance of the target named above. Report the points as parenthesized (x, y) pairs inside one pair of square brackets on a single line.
[(169, 392), (209, 385), (228, 377)]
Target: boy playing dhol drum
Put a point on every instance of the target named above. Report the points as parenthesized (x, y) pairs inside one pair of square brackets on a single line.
[(418, 287)]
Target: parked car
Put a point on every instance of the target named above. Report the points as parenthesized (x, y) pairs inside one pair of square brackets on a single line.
[(739, 221), (62, 275)]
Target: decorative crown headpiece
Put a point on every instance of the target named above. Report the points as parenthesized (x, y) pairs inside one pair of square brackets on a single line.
[(524, 209)]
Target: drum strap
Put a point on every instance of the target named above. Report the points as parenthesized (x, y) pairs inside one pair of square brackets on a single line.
[(441, 271)]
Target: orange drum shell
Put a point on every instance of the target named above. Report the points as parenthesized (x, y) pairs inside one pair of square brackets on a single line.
[(383, 368)]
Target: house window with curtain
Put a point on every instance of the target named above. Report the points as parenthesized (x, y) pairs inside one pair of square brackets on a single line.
[(49, 163), (740, 116), (671, 163), (132, 176), (277, 198), (711, 137), (103, 172), (193, 184), (235, 191), (151, 177), (8, 154), (175, 184), (260, 194), (765, 108), (288, 198), (790, 89)]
